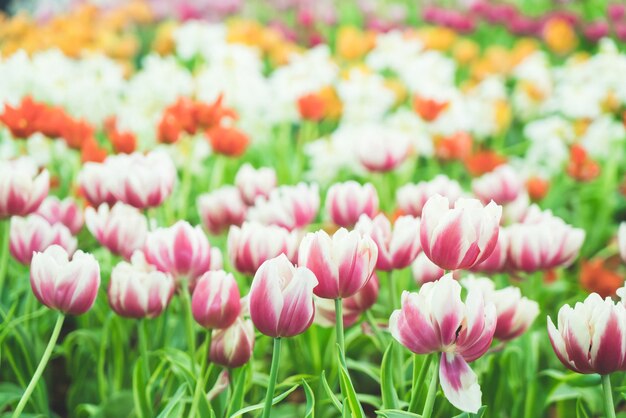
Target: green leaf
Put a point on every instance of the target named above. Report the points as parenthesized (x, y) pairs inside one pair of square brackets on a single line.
[(331, 393), (478, 414), (350, 398), (236, 400), (309, 410), (9, 393), (143, 406), (262, 404), (365, 368), (396, 413), (582, 411), (175, 406), (388, 391)]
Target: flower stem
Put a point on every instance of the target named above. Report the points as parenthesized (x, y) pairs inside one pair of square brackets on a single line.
[(217, 174), (419, 375), (42, 366), (609, 408), (432, 392), (4, 251), (143, 348), (393, 297), (201, 380), (191, 336), (339, 329), (273, 375)]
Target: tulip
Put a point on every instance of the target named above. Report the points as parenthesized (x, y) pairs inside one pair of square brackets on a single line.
[(437, 320), (122, 229), (621, 240), (253, 183), (138, 290), (253, 244), (232, 347), (64, 211), (411, 198), (496, 262), (397, 247), (98, 181), (342, 263), (353, 306), (345, 202), (22, 188), (461, 237), (34, 234), (502, 185), (378, 152), (68, 286), (288, 206), (181, 250), (146, 180), (215, 301), (221, 209), (424, 270), (515, 313)]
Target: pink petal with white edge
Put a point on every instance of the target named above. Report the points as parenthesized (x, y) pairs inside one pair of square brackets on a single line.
[(459, 383)]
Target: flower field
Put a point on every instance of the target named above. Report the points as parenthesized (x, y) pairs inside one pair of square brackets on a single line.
[(297, 208)]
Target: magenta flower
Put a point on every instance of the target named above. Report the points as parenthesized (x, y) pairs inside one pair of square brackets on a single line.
[(145, 181), (502, 185), (65, 212), (215, 301), (98, 181), (382, 153), (35, 234), (346, 202), (253, 183), (121, 229), (496, 262), (281, 298), (22, 187), (232, 347), (70, 286), (291, 207), (411, 198), (437, 320), (221, 208), (424, 270)]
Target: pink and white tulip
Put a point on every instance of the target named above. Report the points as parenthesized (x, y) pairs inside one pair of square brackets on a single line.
[(461, 237), (215, 301), (281, 298), (502, 185), (139, 290), (221, 208), (252, 244), (122, 229), (353, 306), (382, 153), (346, 202), (98, 181), (65, 212), (591, 337), (621, 240), (22, 187), (343, 263), (496, 262), (35, 234), (411, 198), (181, 250), (232, 347), (424, 270), (291, 207), (70, 286), (145, 181), (253, 183), (437, 320), (398, 246)]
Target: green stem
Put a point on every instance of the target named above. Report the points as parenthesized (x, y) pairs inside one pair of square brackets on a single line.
[(42, 365), (201, 381), (432, 392), (419, 375), (609, 408), (377, 333), (272, 382), (339, 329), (191, 336), (393, 296), (4, 251), (218, 172), (143, 348)]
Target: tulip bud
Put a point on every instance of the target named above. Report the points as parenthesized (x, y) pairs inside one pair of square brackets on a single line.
[(215, 301), (68, 286), (424, 270), (461, 237), (64, 211), (291, 207), (145, 180), (34, 234), (502, 185), (411, 198), (281, 298), (342, 264), (397, 248), (221, 209), (345, 202), (121, 229), (253, 183), (22, 188), (232, 347)]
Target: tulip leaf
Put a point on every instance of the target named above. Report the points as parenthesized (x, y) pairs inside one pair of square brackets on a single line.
[(347, 388), (236, 400), (388, 391), (174, 406), (260, 405), (396, 413), (330, 392), (309, 410), (143, 407), (582, 411)]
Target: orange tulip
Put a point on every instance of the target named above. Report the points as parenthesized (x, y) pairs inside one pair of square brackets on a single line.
[(23, 120), (228, 141), (311, 107), (596, 276)]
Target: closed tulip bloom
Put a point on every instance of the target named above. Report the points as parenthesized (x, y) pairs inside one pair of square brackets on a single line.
[(411, 198), (364, 298), (461, 237), (253, 183), (437, 320), (621, 240), (22, 187), (543, 243), (502, 185), (215, 301), (65, 212), (515, 313), (181, 250), (70, 286), (496, 262), (232, 347), (291, 207), (397, 246), (382, 150), (281, 298), (147, 180), (346, 202), (424, 270), (254, 243), (35, 234), (122, 229), (591, 336), (221, 209), (342, 263), (139, 290), (97, 183)]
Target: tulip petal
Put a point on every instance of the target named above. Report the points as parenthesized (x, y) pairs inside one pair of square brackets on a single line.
[(459, 383)]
